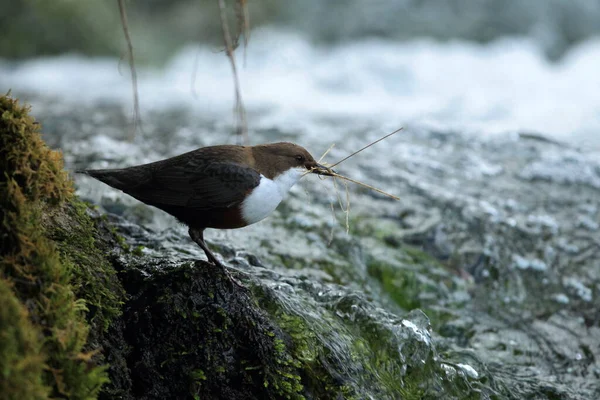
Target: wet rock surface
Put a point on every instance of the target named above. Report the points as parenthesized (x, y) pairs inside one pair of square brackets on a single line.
[(189, 332), (496, 240)]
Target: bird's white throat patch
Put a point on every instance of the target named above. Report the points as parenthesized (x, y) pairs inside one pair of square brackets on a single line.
[(265, 198)]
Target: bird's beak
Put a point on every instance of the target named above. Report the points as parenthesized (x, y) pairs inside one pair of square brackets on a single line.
[(322, 170)]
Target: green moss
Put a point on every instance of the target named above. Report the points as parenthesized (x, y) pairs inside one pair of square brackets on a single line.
[(284, 378), (198, 375), (415, 255), (94, 280), (414, 279), (21, 354), (300, 361), (208, 338), (120, 239), (33, 180), (138, 251), (337, 351), (401, 284)]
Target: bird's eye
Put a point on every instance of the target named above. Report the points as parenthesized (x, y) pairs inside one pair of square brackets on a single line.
[(300, 158)]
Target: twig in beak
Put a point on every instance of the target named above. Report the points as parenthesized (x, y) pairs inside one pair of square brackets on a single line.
[(336, 175), (324, 171), (327, 152), (330, 172)]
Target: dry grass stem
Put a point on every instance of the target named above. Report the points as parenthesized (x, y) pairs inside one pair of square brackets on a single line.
[(346, 210), (345, 179), (134, 85), (240, 111), (347, 207), (243, 17), (327, 152), (332, 225), (366, 147), (336, 175)]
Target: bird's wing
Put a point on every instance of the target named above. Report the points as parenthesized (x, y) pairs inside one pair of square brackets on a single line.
[(222, 185), (213, 185)]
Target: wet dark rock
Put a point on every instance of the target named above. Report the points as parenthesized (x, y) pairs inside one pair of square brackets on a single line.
[(187, 332), (190, 333)]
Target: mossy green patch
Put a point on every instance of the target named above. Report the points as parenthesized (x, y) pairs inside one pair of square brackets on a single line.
[(21, 356), (283, 377), (33, 180), (209, 339), (402, 285), (84, 251), (303, 355), (423, 285), (343, 348)]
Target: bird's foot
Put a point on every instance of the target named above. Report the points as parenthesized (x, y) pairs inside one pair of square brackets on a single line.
[(218, 264), (197, 236)]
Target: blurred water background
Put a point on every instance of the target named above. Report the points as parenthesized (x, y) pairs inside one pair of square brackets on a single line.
[(487, 67)]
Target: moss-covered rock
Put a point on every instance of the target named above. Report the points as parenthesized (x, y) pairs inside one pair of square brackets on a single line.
[(21, 356), (192, 334), (87, 245), (40, 284)]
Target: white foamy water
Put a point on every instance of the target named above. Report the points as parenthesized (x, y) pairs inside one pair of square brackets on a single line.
[(503, 87)]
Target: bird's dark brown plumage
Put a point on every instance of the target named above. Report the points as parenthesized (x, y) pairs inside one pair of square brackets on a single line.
[(205, 188), (192, 187)]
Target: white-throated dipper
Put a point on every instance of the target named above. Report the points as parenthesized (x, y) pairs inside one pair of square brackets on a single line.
[(223, 187)]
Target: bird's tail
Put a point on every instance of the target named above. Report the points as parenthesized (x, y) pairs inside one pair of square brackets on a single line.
[(118, 178)]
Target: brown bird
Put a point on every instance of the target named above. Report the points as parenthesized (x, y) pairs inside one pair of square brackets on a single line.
[(223, 187)]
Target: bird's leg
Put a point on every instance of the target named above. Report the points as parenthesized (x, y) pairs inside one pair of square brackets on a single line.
[(197, 236)]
